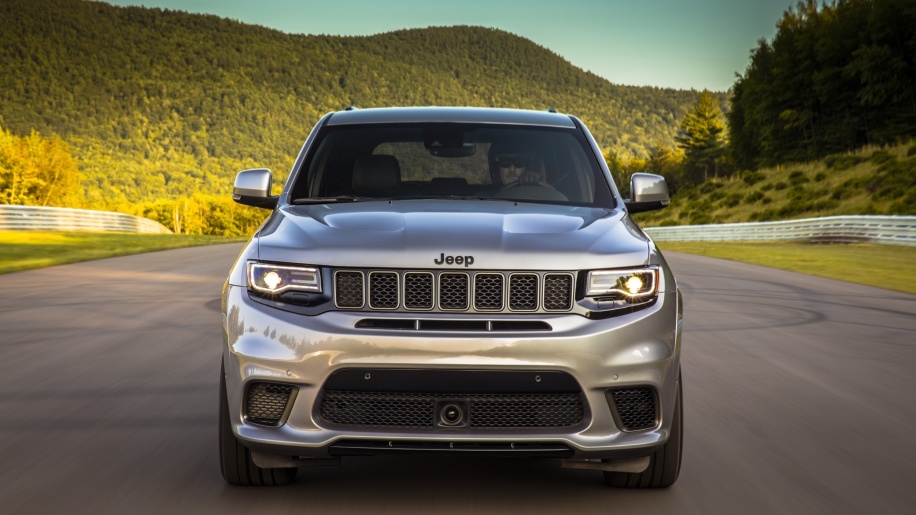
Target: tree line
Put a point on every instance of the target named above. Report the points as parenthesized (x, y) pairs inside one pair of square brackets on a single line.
[(161, 104), (836, 77), (151, 112)]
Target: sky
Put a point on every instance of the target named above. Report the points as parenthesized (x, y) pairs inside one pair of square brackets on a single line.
[(681, 44)]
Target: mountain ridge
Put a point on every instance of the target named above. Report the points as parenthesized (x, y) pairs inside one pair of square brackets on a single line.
[(160, 103)]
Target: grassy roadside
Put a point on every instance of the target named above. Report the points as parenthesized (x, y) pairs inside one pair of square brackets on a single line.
[(883, 266), (25, 250)]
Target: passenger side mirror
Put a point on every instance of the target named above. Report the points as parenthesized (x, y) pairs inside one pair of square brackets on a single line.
[(252, 188), (650, 192)]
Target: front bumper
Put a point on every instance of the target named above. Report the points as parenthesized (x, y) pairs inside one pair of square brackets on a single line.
[(266, 344)]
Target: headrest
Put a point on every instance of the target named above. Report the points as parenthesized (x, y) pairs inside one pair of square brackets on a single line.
[(376, 174)]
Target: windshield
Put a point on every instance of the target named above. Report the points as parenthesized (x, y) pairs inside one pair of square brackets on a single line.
[(452, 161)]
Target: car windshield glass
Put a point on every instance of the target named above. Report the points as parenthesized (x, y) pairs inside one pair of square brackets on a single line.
[(503, 162)]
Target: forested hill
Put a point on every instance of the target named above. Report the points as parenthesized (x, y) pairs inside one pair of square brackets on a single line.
[(157, 103)]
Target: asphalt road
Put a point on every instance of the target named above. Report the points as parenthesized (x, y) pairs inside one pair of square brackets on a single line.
[(799, 398)]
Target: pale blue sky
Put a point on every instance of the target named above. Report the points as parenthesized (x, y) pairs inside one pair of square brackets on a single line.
[(680, 44)]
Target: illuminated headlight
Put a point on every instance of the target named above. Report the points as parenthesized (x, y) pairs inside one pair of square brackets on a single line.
[(640, 283), (269, 278)]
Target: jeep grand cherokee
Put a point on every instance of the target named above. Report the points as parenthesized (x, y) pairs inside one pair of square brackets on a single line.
[(451, 281)]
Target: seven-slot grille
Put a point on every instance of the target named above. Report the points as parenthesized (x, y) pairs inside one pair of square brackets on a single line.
[(447, 291)]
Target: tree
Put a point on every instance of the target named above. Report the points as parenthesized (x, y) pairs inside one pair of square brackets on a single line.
[(702, 138), (38, 171)]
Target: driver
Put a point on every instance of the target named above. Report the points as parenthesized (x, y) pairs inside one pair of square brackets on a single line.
[(515, 164)]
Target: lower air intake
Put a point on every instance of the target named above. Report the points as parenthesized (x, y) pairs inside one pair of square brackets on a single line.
[(497, 411), (266, 403), (635, 407)]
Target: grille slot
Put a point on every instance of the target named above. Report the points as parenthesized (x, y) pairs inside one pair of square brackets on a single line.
[(418, 290), (266, 402), (452, 291), (523, 292), (383, 290), (348, 289), (636, 407), (558, 292), (488, 292), (496, 411)]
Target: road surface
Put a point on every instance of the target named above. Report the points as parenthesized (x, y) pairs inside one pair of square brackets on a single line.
[(799, 398)]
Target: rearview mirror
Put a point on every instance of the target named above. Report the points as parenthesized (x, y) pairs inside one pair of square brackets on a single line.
[(252, 188), (649, 192)]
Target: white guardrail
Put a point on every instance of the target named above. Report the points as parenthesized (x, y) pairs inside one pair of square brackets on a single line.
[(37, 218), (885, 230)]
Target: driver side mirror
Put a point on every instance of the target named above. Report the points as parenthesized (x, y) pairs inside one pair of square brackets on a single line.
[(252, 188), (649, 192)]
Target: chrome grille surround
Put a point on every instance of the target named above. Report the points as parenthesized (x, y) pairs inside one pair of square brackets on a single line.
[(447, 291)]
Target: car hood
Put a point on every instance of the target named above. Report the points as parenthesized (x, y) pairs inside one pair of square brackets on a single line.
[(497, 235)]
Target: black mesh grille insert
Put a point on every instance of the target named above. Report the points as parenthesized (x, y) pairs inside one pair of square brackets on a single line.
[(417, 410), (383, 290), (558, 292), (635, 407), (488, 292), (371, 409), (509, 411), (453, 291), (523, 292), (266, 402), (349, 289), (418, 290)]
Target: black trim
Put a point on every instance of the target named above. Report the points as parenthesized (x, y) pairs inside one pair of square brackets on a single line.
[(447, 381), (373, 447)]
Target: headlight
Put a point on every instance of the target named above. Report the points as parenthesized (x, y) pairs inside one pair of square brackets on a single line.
[(269, 278), (636, 284)]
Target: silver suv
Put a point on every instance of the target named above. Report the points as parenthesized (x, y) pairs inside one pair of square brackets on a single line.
[(451, 281)]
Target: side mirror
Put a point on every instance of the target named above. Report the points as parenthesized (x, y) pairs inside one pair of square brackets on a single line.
[(650, 192), (252, 188)]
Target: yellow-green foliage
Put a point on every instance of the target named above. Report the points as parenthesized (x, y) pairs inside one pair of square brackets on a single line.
[(38, 171), (164, 104), (872, 181)]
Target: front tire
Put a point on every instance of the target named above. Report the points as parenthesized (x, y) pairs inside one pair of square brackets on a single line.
[(235, 459), (665, 463)]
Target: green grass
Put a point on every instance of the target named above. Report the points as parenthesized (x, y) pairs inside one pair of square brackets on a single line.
[(883, 266), (870, 181), (25, 250), (872, 265)]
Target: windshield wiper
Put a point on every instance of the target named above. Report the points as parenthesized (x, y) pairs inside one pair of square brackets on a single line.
[(325, 200)]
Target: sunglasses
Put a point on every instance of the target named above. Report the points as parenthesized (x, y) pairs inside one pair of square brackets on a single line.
[(506, 162)]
